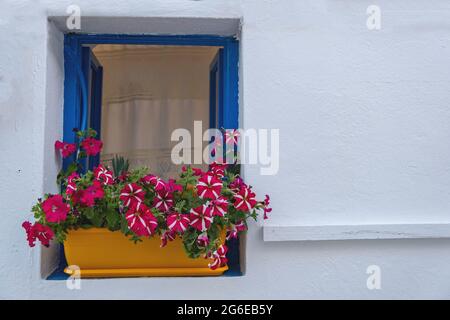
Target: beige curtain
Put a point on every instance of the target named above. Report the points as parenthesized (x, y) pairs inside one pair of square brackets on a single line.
[(149, 91)]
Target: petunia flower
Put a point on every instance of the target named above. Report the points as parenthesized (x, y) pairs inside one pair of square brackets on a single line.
[(92, 146), (158, 183), (196, 171), (232, 136), (167, 236), (141, 221), (163, 201), (219, 258), (123, 177), (104, 175), (38, 231), (177, 222), (88, 196), (235, 229), (65, 148), (218, 206), (237, 184), (71, 185), (55, 208), (203, 240), (266, 207), (172, 186), (245, 199), (201, 217), (209, 187), (131, 194), (217, 169)]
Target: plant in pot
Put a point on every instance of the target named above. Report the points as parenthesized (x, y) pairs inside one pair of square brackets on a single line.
[(113, 222)]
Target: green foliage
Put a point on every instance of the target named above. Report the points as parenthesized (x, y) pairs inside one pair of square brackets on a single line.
[(107, 211), (120, 165)]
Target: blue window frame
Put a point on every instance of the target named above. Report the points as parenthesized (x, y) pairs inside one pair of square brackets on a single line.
[(83, 83)]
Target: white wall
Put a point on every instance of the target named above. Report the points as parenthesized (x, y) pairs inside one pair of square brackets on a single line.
[(364, 138)]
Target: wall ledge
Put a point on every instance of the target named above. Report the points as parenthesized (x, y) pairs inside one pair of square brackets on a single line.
[(355, 232)]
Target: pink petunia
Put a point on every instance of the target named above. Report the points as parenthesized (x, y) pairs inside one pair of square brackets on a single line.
[(91, 193), (65, 148), (38, 231), (172, 186), (235, 229), (132, 194), (232, 136), (141, 221), (201, 218), (55, 209), (218, 206), (104, 175), (163, 201), (71, 185), (158, 183), (92, 146), (196, 171), (266, 207), (217, 169), (167, 236), (177, 222), (203, 240), (209, 187), (245, 199), (237, 184), (219, 258)]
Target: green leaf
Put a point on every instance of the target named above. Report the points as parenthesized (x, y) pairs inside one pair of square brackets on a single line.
[(113, 219)]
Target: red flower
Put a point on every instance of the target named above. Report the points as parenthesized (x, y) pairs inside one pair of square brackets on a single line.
[(167, 236), (55, 209), (232, 136), (155, 181), (141, 220), (219, 206), (123, 176), (217, 169), (245, 199), (66, 148), (131, 194), (266, 207), (201, 218), (177, 222), (38, 231), (235, 229), (171, 186), (163, 201), (103, 174), (203, 240), (237, 184), (219, 258), (209, 187), (196, 171), (95, 191), (92, 146), (71, 185)]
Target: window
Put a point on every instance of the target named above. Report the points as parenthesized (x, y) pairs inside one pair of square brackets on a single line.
[(92, 80)]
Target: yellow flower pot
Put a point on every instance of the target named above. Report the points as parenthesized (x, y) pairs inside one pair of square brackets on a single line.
[(99, 252)]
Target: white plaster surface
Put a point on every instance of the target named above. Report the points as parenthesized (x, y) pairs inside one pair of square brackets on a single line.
[(364, 126)]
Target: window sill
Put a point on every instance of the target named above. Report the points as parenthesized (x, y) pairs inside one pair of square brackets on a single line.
[(356, 232)]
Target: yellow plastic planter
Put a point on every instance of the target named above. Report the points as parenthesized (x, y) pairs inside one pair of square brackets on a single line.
[(100, 253)]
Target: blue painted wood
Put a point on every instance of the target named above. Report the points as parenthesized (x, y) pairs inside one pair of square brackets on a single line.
[(231, 85), (213, 69), (71, 95), (179, 40), (95, 74)]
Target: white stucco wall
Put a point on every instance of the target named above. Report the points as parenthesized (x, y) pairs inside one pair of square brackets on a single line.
[(363, 118)]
